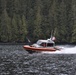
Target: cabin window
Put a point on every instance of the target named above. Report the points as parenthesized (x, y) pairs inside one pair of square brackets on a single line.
[(43, 44), (49, 44)]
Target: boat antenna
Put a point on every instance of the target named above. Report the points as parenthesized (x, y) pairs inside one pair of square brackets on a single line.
[(28, 40), (51, 35)]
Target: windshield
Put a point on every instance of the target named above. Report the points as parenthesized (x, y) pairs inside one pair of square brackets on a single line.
[(50, 44), (47, 44)]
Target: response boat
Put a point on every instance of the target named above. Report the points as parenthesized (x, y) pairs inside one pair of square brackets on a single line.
[(42, 45)]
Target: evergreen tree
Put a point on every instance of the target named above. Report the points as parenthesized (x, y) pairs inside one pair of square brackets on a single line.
[(45, 18), (5, 27), (74, 21), (61, 22), (10, 8), (17, 6), (69, 23), (30, 16), (52, 17), (24, 29), (37, 28), (19, 27), (23, 6), (74, 34), (14, 29)]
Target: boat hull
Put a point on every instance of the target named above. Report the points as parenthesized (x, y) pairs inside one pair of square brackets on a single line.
[(39, 49)]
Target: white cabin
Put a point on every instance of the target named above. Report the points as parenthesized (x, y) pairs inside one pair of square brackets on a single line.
[(44, 43)]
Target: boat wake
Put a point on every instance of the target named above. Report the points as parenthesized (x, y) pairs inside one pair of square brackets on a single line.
[(65, 50)]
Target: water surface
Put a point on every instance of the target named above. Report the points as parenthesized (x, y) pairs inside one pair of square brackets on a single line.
[(14, 60)]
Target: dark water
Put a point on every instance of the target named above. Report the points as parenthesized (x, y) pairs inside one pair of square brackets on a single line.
[(14, 60)]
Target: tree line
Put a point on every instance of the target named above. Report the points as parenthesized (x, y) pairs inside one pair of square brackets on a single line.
[(37, 19)]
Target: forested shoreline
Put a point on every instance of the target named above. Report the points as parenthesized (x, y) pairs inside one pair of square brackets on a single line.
[(37, 19)]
